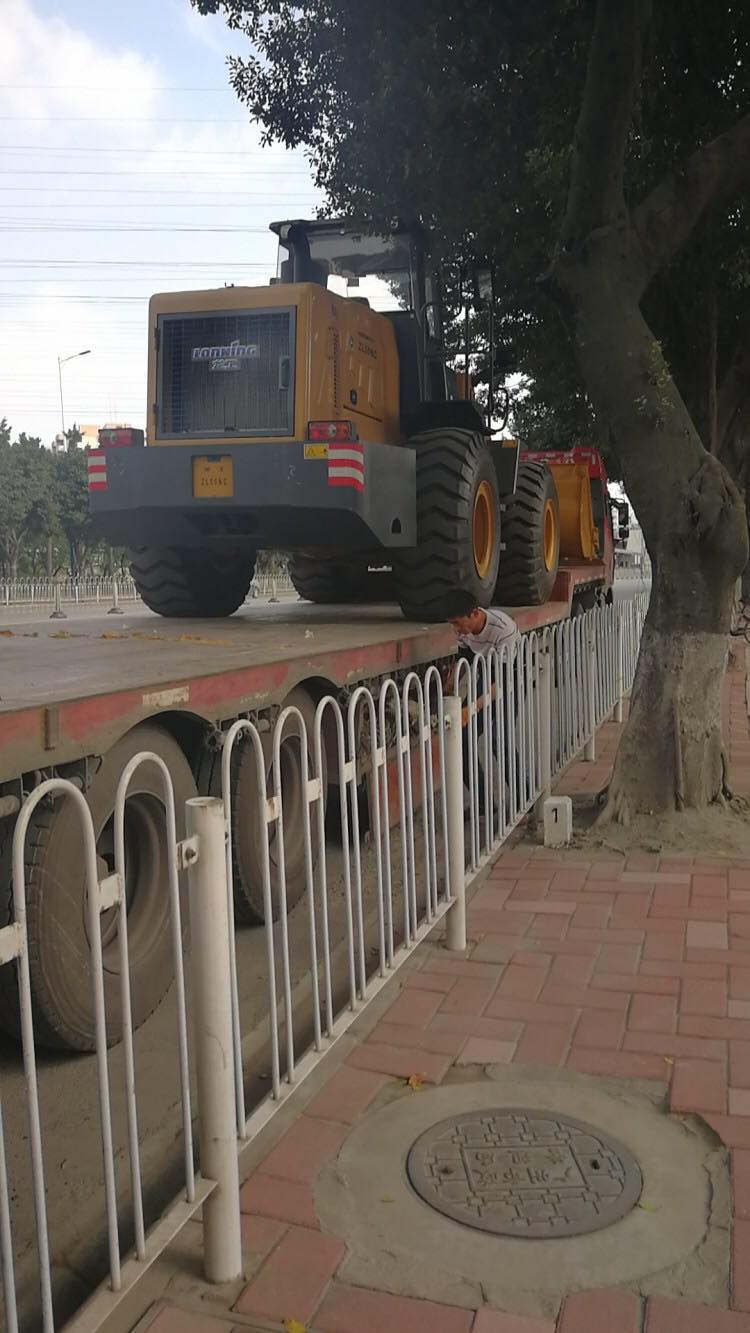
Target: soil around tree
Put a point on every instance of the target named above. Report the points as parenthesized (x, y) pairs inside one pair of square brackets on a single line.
[(722, 829)]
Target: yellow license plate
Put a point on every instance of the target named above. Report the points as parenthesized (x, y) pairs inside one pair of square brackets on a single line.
[(316, 451), (212, 478)]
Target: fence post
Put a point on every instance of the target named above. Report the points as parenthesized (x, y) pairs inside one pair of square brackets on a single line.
[(115, 609), (58, 613), (214, 1048), (455, 930), (545, 727), (589, 752), (619, 666)]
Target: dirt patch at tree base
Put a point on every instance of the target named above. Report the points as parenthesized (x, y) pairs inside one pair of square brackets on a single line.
[(719, 830)]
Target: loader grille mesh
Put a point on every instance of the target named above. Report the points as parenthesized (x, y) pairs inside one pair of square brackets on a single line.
[(224, 374)]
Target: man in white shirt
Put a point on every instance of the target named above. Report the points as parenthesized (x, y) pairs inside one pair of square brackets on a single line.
[(482, 631)]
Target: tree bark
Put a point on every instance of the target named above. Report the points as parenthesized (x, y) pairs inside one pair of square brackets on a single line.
[(694, 526)]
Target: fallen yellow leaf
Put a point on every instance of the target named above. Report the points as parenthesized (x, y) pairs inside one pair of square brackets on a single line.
[(415, 1082), (648, 1207), (294, 1326), (668, 1060)]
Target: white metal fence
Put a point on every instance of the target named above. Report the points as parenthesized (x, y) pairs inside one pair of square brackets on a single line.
[(106, 591), (528, 710)]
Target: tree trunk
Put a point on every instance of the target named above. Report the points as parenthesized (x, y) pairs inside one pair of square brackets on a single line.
[(693, 521)]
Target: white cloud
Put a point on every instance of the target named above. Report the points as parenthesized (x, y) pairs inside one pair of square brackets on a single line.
[(68, 307)]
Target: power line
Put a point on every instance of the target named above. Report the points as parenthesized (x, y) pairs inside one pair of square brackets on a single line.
[(126, 120), (156, 175), (118, 88), (193, 152)]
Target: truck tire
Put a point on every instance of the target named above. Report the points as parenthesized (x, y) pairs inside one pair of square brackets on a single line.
[(458, 526), (336, 581), (247, 862), (59, 953), (531, 537), (191, 583)]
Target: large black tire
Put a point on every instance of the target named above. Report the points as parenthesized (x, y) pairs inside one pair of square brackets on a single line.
[(58, 942), (456, 482), (338, 580), (247, 865), (191, 582), (531, 537)]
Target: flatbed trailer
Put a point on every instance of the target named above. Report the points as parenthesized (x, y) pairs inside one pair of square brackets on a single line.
[(78, 702)]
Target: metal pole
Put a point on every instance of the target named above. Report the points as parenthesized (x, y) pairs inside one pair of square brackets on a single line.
[(545, 728), (589, 752), (62, 408), (212, 1025), (619, 665), (115, 609), (58, 613), (455, 932)]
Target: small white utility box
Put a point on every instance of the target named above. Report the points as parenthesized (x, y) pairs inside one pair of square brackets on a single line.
[(558, 821)]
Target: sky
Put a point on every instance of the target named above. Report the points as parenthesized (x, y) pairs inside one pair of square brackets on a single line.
[(127, 167)]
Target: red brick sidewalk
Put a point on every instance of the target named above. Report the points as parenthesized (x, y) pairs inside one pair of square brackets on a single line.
[(636, 967)]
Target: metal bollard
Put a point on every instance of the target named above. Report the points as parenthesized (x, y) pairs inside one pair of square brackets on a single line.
[(545, 729), (58, 613), (455, 922), (115, 609), (589, 752), (619, 671), (214, 1050)]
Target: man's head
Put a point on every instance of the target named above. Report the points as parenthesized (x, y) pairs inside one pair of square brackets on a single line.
[(465, 616)]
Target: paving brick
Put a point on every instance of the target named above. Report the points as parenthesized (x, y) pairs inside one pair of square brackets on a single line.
[(542, 907), (733, 1130), (400, 1061), (260, 1235), (170, 1319), (288, 1200), (740, 1175), (522, 983), (666, 1043), (707, 935), (658, 948), (739, 1064), (467, 997), (684, 971), (493, 1321), (542, 1044), (572, 968), (739, 926), (460, 967), (652, 1013), (698, 1085), (608, 1311), (466, 1025), (548, 927), (531, 1013), (570, 878), (704, 997), (414, 1007), (346, 1309), (739, 1101), (428, 981), (346, 1095), (583, 997), (619, 1064), (738, 1009), (740, 1282), (638, 985), (480, 1051), (495, 949), (418, 1039), (292, 1281), (499, 923), (709, 886), (304, 1149), (600, 1029), (739, 879), (676, 1317), (660, 877), (739, 983), (591, 915), (621, 958)]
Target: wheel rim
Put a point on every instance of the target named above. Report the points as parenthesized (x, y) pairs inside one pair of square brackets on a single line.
[(550, 536), (483, 529)]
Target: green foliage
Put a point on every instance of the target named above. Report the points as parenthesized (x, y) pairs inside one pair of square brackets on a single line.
[(44, 510), (461, 113)]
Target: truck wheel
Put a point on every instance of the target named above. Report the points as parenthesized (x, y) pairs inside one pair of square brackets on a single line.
[(458, 526), (334, 581), (193, 583), (59, 953), (531, 536), (247, 868)]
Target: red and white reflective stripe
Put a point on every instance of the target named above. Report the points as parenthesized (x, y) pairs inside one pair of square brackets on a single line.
[(97, 472), (346, 465)]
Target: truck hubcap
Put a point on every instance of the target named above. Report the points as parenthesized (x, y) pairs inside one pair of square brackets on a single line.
[(483, 529), (550, 536)]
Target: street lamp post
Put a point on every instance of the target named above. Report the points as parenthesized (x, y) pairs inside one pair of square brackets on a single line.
[(60, 363)]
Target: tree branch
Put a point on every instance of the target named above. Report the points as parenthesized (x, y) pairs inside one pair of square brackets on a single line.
[(711, 176), (596, 194)]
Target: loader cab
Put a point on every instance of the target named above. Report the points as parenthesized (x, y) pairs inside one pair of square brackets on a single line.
[(389, 272)]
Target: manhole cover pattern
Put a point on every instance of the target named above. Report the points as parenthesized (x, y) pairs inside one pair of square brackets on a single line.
[(524, 1173)]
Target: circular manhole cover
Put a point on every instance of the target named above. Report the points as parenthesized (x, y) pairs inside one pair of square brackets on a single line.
[(521, 1173)]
